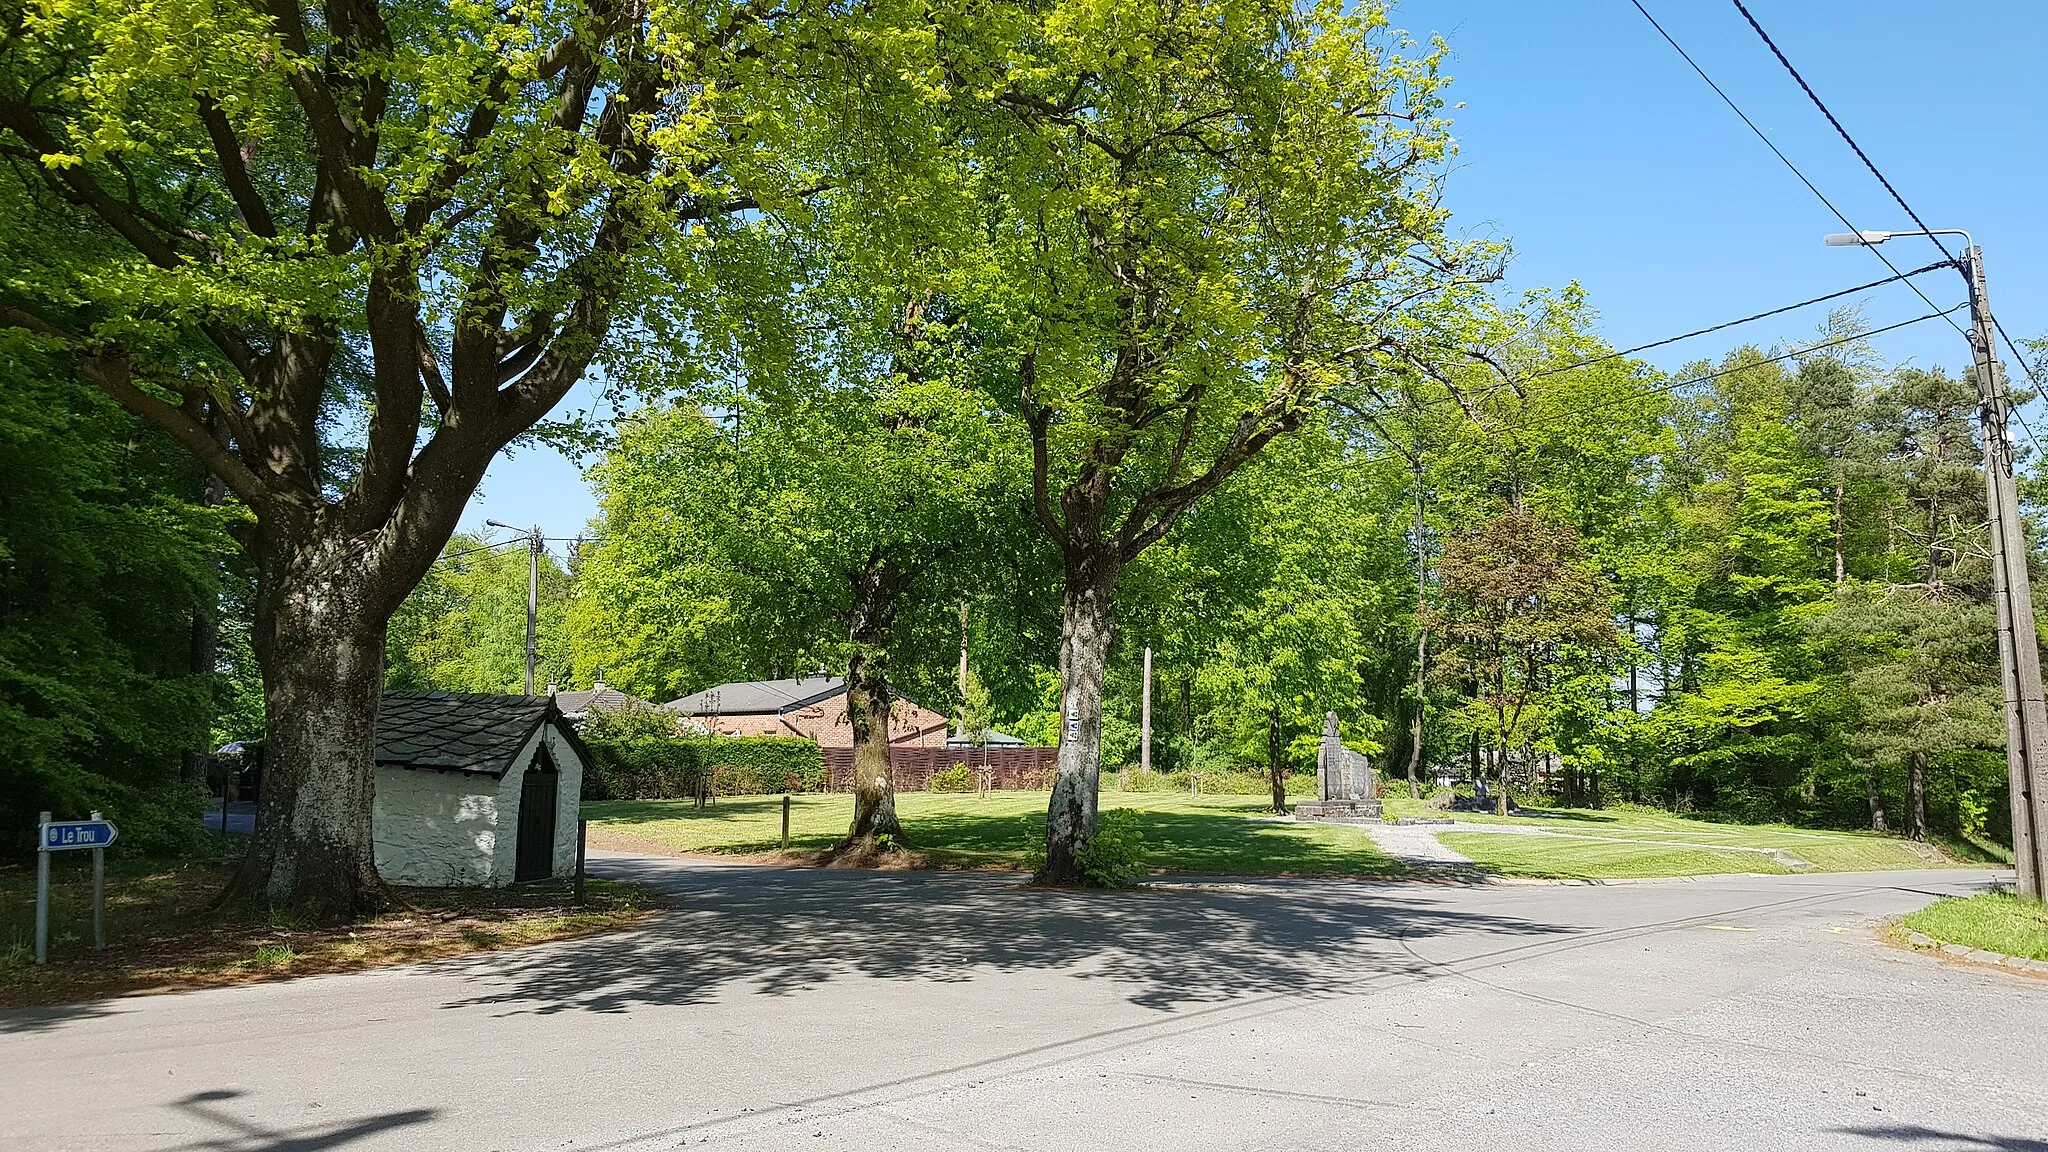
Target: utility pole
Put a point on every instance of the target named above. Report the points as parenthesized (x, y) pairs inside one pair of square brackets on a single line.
[(534, 544), (2026, 716), (533, 547), (2012, 586), (1145, 719)]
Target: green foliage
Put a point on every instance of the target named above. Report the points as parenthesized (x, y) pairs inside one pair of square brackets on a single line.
[(957, 778), (640, 755), (107, 557), (1116, 853), (1213, 782), (463, 629)]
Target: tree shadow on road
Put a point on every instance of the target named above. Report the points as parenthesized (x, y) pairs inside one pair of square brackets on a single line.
[(1915, 1134), (232, 1133), (775, 931)]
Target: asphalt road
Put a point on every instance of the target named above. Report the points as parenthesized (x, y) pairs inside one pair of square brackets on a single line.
[(793, 1009)]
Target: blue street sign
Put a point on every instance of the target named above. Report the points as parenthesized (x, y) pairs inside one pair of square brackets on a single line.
[(59, 835)]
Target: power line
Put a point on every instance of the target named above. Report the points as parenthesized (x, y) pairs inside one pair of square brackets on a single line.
[(2011, 345), (1786, 160), (479, 548), (1734, 323), (1675, 385)]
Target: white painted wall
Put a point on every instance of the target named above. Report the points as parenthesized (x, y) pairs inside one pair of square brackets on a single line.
[(568, 799), (436, 829), (454, 829)]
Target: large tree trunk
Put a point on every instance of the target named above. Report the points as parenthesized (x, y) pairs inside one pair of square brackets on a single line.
[(1916, 798), (1274, 768), (320, 642), (1084, 653), (874, 783), (1876, 801)]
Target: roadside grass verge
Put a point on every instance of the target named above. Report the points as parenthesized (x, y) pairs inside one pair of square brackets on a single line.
[(1183, 833), (163, 937), (1994, 921)]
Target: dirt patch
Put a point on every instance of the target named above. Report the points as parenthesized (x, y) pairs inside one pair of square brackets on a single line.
[(162, 935)]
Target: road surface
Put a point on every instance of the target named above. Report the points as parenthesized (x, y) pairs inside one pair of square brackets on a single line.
[(804, 1009)]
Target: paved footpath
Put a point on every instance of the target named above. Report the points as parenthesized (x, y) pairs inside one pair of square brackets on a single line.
[(779, 1009)]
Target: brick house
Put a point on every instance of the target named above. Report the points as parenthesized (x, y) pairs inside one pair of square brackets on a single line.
[(812, 707)]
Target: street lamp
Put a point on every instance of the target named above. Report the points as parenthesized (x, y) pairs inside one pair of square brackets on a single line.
[(2026, 716)]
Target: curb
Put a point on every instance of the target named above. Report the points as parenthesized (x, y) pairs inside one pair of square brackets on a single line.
[(1922, 942)]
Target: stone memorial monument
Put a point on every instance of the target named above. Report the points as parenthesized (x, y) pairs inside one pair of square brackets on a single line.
[(1346, 786)]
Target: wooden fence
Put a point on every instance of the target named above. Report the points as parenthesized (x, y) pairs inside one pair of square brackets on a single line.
[(912, 767)]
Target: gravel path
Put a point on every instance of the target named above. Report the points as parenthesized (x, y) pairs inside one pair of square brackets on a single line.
[(1417, 847)]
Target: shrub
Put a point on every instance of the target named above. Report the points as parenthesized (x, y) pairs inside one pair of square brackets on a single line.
[(639, 755), (1117, 853), (954, 779)]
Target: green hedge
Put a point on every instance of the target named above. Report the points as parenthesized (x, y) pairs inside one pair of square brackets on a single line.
[(1213, 783), (638, 756)]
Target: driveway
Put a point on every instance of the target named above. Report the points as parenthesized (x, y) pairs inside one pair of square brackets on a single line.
[(778, 1009)]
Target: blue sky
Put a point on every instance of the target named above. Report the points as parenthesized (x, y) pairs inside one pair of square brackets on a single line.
[(1604, 159)]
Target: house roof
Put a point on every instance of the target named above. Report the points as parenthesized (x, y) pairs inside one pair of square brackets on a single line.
[(994, 739), (599, 698), (759, 697), (462, 731)]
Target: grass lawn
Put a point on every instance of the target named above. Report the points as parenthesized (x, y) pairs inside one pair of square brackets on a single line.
[(161, 936), (1224, 835), (1183, 833), (1995, 921), (1547, 857), (1826, 851)]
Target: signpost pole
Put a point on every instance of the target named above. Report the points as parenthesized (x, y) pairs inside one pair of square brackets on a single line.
[(99, 896), (42, 890)]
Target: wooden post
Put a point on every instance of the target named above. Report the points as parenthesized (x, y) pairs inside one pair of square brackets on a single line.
[(582, 838), (42, 891), (785, 821), (1145, 720), (99, 896)]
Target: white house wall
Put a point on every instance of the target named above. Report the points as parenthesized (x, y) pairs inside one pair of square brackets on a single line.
[(455, 829), (436, 829), (568, 798)]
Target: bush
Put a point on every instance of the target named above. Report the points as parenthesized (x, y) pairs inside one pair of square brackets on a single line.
[(1117, 853), (954, 779), (1214, 782), (639, 755)]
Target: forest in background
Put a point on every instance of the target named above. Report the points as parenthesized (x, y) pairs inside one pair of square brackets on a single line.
[(1075, 355), (1790, 547)]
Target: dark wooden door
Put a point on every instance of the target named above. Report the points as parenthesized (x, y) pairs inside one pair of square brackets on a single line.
[(537, 798)]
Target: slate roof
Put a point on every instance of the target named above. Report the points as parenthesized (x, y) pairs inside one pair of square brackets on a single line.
[(995, 740), (759, 697), (462, 731), (601, 698)]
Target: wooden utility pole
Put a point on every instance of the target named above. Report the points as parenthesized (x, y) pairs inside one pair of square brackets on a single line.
[(2026, 716), (534, 544), (1145, 719), (533, 547)]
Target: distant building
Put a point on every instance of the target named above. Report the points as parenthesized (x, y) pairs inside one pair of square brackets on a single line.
[(578, 706), (990, 739), (811, 707), (475, 790)]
